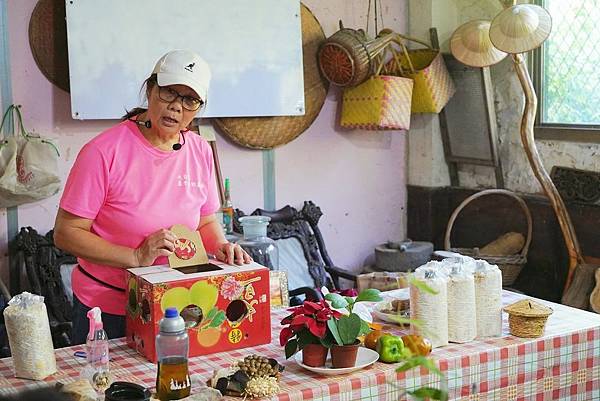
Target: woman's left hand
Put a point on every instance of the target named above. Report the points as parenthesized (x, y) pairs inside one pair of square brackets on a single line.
[(231, 253)]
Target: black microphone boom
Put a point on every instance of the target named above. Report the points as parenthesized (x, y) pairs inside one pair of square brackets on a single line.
[(148, 124)]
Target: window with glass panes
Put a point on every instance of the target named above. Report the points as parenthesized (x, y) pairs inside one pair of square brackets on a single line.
[(568, 65)]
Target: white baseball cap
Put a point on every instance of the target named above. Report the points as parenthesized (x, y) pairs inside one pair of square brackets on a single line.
[(183, 67)]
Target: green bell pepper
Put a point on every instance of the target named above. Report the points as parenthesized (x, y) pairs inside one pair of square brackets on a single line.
[(390, 349)]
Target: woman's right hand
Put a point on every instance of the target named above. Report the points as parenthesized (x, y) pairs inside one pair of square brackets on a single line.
[(160, 243)]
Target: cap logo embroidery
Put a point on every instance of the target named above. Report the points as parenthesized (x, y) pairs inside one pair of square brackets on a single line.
[(189, 67)]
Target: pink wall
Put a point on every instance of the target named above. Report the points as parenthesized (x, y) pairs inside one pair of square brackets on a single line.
[(358, 178)]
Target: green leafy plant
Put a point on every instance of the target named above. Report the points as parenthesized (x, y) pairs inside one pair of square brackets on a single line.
[(340, 302), (425, 392), (346, 329)]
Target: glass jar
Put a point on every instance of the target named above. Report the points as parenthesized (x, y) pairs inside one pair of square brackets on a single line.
[(255, 241)]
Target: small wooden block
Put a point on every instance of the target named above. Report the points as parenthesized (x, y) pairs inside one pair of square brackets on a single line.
[(189, 250)]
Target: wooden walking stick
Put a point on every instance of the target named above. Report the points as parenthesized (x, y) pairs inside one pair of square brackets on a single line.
[(517, 30), (580, 276)]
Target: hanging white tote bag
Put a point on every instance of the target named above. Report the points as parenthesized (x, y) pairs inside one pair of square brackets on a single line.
[(28, 164)]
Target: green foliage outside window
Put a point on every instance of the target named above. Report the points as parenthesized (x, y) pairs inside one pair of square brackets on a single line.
[(571, 59)]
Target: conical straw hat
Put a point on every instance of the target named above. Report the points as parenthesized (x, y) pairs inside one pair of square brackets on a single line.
[(520, 28), (471, 45)]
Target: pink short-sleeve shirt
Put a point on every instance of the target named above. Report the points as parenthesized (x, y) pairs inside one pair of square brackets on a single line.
[(129, 189)]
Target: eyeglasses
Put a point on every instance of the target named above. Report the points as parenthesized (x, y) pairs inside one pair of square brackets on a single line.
[(188, 102)]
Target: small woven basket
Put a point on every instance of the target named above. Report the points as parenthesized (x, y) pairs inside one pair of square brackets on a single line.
[(527, 318), (509, 265), (348, 57)]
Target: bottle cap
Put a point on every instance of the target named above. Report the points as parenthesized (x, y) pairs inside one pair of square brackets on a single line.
[(171, 312), (95, 319), (172, 322)]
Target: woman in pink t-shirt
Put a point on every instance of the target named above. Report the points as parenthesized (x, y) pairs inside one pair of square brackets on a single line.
[(131, 183)]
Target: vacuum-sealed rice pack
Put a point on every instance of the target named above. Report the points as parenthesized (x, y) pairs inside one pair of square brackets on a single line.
[(29, 337)]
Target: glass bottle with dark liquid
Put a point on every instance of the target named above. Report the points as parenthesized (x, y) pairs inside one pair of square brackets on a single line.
[(172, 346)]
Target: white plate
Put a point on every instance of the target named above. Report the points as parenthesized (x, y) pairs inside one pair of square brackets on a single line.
[(378, 313), (364, 358), (400, 293)]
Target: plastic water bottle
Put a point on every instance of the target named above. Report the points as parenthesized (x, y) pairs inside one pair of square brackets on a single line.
[(172, 346), (97, 369)]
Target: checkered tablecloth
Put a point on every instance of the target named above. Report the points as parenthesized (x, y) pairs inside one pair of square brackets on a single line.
[(564, 364)]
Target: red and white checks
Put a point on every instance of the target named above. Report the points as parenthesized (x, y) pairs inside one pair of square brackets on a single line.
[(564, 364)]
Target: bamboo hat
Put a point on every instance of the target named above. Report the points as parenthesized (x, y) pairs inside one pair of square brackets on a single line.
[(520, 28), (471, 45)]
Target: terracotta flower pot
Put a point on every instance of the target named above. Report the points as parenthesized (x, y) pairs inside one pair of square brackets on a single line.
[(314, 355), (344, 356)]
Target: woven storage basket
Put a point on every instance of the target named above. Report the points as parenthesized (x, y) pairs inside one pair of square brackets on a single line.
[(269, 132), (510, 265), (382, 101), (344, 59), (527, 318), (348, 57), (433, 84)]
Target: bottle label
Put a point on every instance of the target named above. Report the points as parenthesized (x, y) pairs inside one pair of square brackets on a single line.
[(228, 220), (175, 385), (173, 380), (97, 352)]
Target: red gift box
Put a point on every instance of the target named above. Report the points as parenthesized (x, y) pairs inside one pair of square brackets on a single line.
[(225, 307)]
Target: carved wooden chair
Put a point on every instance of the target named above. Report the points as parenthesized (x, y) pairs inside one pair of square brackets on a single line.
[(302, 251)]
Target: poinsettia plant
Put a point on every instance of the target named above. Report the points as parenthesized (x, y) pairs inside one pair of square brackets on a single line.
[(307, 324)]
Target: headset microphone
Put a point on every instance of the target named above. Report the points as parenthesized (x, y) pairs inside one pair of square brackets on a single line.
[(177, 146), (147, 124)]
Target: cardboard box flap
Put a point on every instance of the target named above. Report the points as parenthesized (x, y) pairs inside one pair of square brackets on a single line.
[(165, 274)]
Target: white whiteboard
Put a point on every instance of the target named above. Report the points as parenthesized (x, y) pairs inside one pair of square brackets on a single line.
[(254, 49)]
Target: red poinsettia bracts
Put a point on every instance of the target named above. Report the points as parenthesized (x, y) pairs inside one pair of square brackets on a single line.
[(312, 316)]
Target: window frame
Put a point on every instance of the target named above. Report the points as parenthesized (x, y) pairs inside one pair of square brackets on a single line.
[(558, 132)]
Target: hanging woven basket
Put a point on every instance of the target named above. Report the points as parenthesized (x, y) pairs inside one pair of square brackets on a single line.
[(270, 132), (348, 57)]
